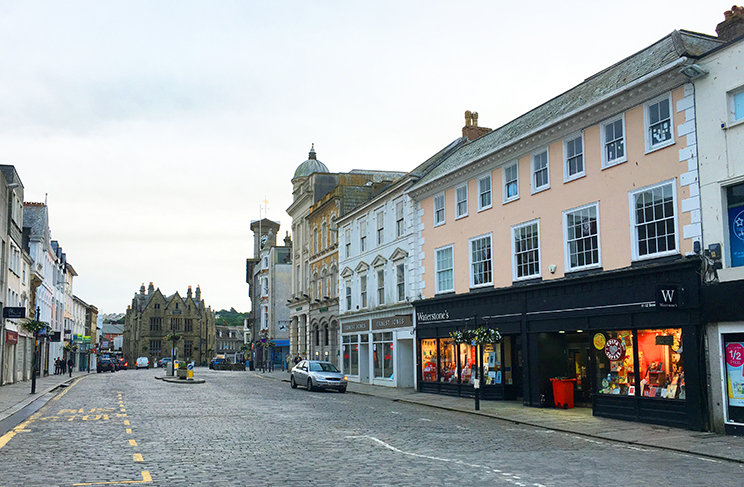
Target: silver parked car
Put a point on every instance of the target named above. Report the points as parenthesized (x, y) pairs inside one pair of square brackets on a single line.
[(315, 374)]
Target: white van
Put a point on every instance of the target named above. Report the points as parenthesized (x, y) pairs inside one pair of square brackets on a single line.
[(143, 363)]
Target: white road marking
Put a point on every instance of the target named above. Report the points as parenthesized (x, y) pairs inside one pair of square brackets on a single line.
[(509, 477)]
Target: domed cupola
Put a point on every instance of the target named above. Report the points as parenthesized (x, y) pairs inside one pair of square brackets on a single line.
[(310, 166)]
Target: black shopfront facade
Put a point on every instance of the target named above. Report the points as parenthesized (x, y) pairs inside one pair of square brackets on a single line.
[(631, 340)]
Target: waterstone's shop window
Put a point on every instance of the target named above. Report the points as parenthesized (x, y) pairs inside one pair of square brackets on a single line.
[(492, 364), (429, 358), (660, 366), (468, 364), (447, 360), (615, 367)]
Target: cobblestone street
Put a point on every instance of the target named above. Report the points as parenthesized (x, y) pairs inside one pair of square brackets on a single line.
[(242, 428)]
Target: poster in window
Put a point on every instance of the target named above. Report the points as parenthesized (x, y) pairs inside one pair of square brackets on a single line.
[(736, 237), (734, 362)]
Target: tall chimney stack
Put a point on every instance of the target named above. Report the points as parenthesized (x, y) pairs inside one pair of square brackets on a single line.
[(733, 24)]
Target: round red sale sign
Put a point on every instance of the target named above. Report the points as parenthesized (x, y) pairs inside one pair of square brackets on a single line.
[(734, 354), (614, 349)]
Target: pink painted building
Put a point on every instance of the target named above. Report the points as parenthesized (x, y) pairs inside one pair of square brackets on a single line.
[(573, 226)]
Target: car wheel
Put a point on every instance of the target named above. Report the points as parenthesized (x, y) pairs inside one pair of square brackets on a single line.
[(309, 384), (292, 383), (342, 390)]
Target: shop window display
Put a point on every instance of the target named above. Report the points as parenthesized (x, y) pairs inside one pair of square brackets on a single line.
[(468, 365), (383, 354), (733, 349), (447, 360), (429, 358), (351, 355), (492, 364), (615, 367), (660, 365)]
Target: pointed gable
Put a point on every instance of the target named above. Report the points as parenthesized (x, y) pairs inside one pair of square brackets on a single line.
[(379, 261), (347, 272)]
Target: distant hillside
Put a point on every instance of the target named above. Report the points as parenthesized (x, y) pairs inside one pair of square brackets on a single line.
[(230, 318)]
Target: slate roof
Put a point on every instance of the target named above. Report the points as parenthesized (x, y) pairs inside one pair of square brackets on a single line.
[(590, 91)]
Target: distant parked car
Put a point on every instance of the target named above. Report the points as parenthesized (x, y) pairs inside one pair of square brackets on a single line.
[(215, 362), (163, 362), (121, 364), (105, 365), (142, 363), (315, 374)]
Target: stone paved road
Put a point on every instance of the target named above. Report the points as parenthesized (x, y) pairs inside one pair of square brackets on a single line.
[(243, 429)]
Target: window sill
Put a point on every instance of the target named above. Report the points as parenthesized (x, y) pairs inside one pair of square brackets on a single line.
[(734, 123), (656, 258), (663, 145), (608, 165), (507, 201), (584, 271), (461, 217), (439, 224), (485, 208), (574, 177), (540, 190), (523, 281)]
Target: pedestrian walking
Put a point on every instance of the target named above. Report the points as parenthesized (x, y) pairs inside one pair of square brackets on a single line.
[(63, 366), (297, 359), (70, 364), (288, 360), (56, 366)]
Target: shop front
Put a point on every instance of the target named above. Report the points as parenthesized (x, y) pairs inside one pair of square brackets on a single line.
[(628, 341), (379, 350)]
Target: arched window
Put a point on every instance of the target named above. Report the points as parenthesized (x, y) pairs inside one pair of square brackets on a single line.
[(326, 336)]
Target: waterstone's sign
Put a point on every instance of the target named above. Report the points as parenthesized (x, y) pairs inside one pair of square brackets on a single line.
[(392, 322), (424, 317), (354, 326)]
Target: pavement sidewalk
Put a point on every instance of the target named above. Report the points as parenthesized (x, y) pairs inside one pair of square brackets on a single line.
[(14, 397), (578, 421)]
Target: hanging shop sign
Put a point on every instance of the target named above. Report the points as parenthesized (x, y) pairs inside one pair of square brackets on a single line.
[(599, 341), (614, 349), (392, 322), (14, 312), (55, 336), (11, 337)]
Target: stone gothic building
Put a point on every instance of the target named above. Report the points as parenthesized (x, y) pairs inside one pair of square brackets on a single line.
[(152, 316)]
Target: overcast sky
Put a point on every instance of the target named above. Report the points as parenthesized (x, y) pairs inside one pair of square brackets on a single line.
[(156, 129)]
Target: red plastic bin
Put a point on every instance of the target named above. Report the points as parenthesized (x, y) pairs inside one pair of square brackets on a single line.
[(563, 392)]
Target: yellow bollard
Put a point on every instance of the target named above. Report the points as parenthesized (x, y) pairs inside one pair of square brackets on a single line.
[(191, 374)]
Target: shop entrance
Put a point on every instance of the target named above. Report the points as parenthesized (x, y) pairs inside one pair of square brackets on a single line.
[(565, 355)]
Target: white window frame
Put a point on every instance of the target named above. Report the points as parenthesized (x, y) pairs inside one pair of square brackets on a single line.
[(618, 160), (633, 223), (650, 146), (533, 185), (437, 270), (438, 209), (580, 174), (400, 218), (489, 236), (348, 295), (461, 201), (514, 229), (380, 227), (731, 102), (400, 281), (380, 286), (347, 243), (482, 193), (363, 290), (362, 235), (504, 182), (566, 250)]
